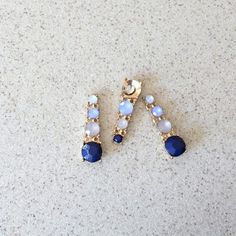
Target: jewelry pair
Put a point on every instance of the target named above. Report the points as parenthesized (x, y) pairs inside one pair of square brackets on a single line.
[(131, 90)]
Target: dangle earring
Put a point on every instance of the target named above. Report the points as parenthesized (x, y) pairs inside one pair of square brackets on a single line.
[(130, 93), (92, 150), (174, 144)]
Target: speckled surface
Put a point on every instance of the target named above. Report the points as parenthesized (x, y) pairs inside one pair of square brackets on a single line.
[(53, 54)]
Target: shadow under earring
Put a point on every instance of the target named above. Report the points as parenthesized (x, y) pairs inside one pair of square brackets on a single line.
[(130, 93), (174, 144), (92, 150)]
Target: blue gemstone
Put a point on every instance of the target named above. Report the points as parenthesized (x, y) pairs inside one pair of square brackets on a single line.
[(157, 111), (117, 138), (175, 146), (92, 152), (93, 113), (126, 108)]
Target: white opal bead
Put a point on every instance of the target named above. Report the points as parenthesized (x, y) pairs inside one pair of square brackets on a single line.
[(126, 108), (92, 129), (164, 126), (149, 99), (157, 111), (122, 124), (93, 99)]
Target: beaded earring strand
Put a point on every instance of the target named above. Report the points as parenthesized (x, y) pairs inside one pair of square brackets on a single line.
[(92, 149), (174, 144), (130, 93)]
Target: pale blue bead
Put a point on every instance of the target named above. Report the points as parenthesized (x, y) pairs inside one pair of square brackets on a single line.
[(149, 99), (157, 111), (126, 108), (93, 113)]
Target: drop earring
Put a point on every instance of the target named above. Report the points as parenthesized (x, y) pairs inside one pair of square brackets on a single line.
[(92, 150), (174, 144), (131, 90)]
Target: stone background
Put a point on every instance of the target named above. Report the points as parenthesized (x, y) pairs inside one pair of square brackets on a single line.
[(55, 53)]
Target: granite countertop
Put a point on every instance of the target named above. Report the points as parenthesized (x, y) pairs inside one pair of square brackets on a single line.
[(53, 54)]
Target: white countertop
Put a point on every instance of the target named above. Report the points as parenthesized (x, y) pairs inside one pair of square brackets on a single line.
[(53, 54)]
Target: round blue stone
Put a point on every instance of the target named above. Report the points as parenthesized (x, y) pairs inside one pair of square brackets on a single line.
[(175, 146), (118, 138), (93, 113), (126, 108), (92, 152), (157, 111)]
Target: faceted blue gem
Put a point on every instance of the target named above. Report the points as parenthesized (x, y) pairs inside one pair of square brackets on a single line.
[(175, 146), (93, 113), (126, 108), (118, 138), (92, 152)]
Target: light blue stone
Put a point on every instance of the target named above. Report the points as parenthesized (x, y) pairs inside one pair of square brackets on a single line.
[(93, 113), (149, 99), (157, 111), (126, 108)]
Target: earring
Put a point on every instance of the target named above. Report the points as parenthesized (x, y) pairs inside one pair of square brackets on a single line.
[(131, 90), (174, 144), (92, 150)]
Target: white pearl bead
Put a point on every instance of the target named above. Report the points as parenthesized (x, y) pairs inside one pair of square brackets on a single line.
[(149, 99), (93, 99), (122, 124), (164, 126), (92, 129)]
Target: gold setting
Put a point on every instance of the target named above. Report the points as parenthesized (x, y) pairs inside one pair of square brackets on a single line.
[(131, 90)]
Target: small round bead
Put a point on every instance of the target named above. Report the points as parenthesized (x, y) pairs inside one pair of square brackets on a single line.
[(122, 124), (149, 99), (118, 138), (164, 126), (157, 111), (92, 129), (93, 99), (126, 108), (93, 113)]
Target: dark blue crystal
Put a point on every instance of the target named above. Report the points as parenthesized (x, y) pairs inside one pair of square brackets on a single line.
[(175, 146), (92, 151), (118, 138)]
